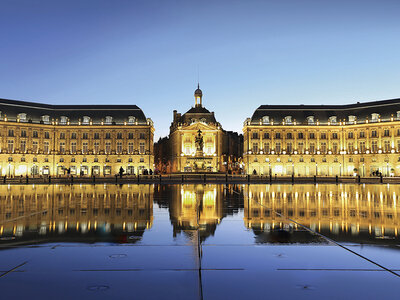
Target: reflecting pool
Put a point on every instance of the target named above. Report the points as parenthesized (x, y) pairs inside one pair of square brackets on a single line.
[(199, 241)]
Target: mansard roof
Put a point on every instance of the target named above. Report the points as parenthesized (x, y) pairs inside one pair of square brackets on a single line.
[(362, 111), (97, 113), (197, 114)]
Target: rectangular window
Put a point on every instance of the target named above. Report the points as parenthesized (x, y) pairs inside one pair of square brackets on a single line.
[(300, 147), (312, 147), (266, 135), (386, 132), (35, 134), (362, 147), (362, 134), (350, 135), (323, 147), (62, 147), (278, 135), (130, 135), (350, 147), (289, 148), (46, 135), (255, 135), (10, 146), (34, 146), (23, 133), (312, 135), (96, 136), (73, 135), (300, 135), (374, 146), (323, 136), (108, 147), (387, 146), (85, 148), (10, 132), (108, 135), (334, 135), (130, 148), (289, 136), (142, 136), (119, 147), (73, 147), (46, 147), (335, 148), (373, 133), (255, 148), (266, 147), (398, 145), (96, 147), (141, 148), (23, 147), (62, 135), (278, 147), (119, 135), (85, 136)]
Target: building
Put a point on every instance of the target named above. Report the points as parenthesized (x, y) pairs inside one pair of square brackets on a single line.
[(40, 139), (198, 142), (325, 140)]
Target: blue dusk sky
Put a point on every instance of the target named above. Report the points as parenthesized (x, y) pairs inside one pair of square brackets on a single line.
[(248, 53)]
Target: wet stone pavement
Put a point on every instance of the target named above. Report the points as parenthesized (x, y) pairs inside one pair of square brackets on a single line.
[(199, 241)]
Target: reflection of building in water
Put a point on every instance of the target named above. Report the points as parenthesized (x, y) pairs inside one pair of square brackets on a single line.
[(196, 207), (76, 213), (356, 211)]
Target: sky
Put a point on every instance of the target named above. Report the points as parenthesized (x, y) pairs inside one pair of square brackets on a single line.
[(244, 54)]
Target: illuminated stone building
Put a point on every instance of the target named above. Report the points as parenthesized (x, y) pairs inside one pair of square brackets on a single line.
[(214, 154), (324, 140), (40, 139), (352, 212), (79, 213)]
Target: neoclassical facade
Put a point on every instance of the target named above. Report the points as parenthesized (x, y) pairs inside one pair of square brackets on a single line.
[(40, 139), (324, 140), (199, 124)]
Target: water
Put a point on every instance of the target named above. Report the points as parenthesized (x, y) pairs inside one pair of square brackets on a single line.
[(199, 241)]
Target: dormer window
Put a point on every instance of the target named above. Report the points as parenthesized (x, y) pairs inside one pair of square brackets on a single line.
[(46, 119), (109, 120), (288, 120), (63, 120), (374, 117), (352, 119), (310, 120), (22, 117), (397, 113), (203, 120), (131, 120), (265, 120), (333, 119), (86, 120)]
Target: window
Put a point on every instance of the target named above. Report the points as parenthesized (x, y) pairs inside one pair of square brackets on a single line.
[(323, 135), (46, 147), (362, 147), (108, 148), (130, 147), (108, 120), (398, 145), (374, 146), (255, 135), (374, 133), (362, 134), (352, 119), (141, 147), (289, 136), (119, 147), (21, 117), (300, 147), (312, 147), (265, 120), (387, 146), (278, 147), (350, 135), (312, 135), (266, 147), (119, 135), (131, 120), (323, 147), (46, 119), (96, 147), (335, 148), (73, 136), (23, 133), (334, 135), (85, 136), (62, 135), (278, 135), (310, 120), (374, 117), (350, 147), (288, 120), (34, 146), (301, 159), (73, 147), (300, 135), (386, 132), (62, 147), (86, 120), (10, 132), (63, 120), (35, 134), (61, 159), (255, 148), (312, 159), (46, 135), (96, 159), (10, 146), (350, 159), (333, 120), (73, 159), (108, 135), (130, 135), (85, 147), (96, 136), (289, 147)]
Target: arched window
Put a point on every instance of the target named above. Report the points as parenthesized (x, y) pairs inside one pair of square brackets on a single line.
[(265, 120), (288, 120), (333, 119), (131, 120), (310, 120), (109, 120), (86, 120)]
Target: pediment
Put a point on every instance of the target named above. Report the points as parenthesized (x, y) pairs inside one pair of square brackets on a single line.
[(202, 126)]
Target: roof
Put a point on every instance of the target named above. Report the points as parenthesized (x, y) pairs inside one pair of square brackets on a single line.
[(196, 114), (34, 111), (322, 113)]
